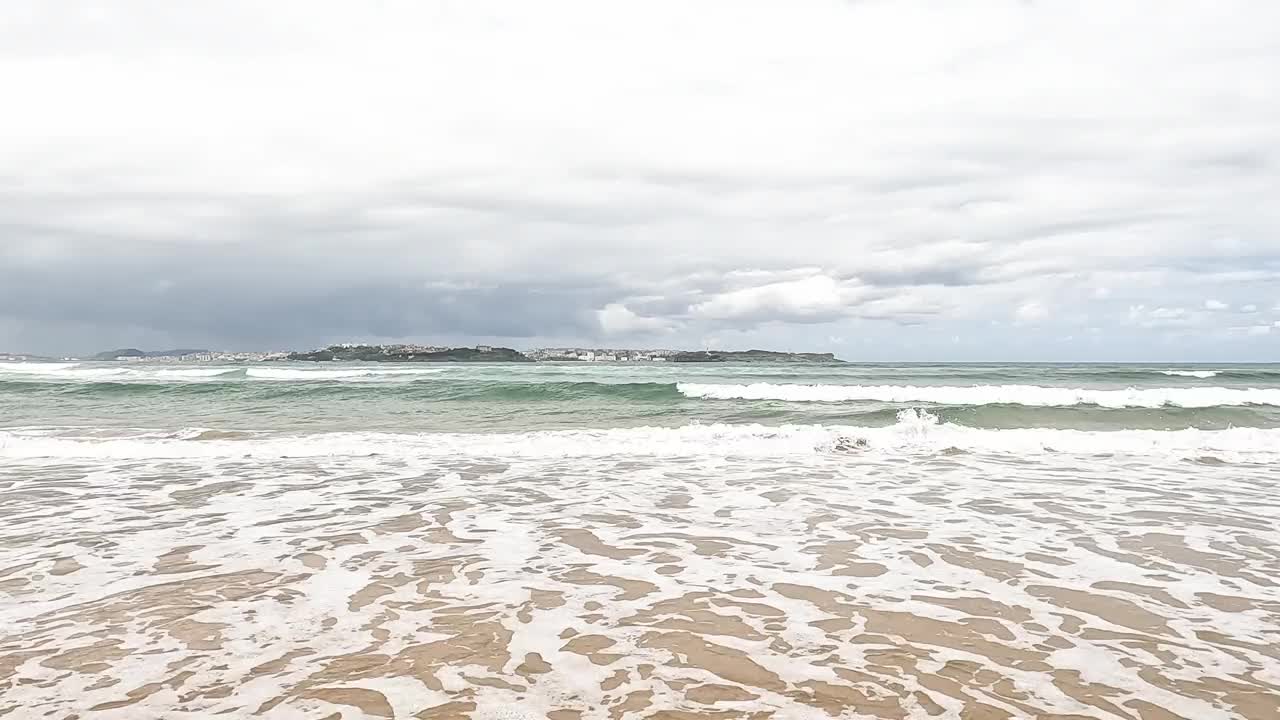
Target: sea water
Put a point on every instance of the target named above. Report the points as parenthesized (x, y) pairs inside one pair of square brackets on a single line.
[(635, 540)]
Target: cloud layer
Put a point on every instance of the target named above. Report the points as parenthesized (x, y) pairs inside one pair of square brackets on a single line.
[(977, 180)]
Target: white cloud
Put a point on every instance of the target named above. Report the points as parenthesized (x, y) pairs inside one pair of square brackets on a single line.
[(1215, 305), (617, 319), (1164, 313), (1164, 318), (818, 296), (1032, 311)]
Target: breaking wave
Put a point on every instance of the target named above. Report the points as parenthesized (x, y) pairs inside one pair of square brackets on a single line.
[(76, 372), (352, 374), (915, 432), (1032, 395), (30, 368)]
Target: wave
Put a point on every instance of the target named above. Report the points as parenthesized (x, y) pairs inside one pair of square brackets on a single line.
[(352, 374), (1113, 373), (1034, 395), (559, 391), (35, 368), (412, 385), (63, 371), (75, 372), (915, 432), (197, 373), (271, 384)]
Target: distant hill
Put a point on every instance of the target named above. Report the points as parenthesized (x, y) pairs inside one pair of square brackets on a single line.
[(136, 353), (121, 353), (375, 353)]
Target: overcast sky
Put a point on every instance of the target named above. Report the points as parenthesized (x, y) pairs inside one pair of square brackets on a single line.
[(882, 179)]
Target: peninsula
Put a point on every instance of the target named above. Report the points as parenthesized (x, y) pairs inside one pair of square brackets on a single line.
[(411, 353), (486, 353), (405, 353)]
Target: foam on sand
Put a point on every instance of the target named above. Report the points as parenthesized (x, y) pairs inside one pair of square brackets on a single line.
[(1032, 395), (814, 585)]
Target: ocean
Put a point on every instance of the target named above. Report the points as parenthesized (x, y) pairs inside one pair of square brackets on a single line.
[(581, 541)]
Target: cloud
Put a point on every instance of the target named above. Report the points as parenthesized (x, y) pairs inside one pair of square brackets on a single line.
[(1216, 305), (1032, 311), (1164, 317), (617, 319), (245, 175), (812, 299)]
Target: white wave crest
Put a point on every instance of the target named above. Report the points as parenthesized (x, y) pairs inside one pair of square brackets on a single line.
[(1034, 395), (194, 373), (354, 373), (76, 371), (53, 372), (915, 432), (35, 368), (61, 372), (1202, 374)]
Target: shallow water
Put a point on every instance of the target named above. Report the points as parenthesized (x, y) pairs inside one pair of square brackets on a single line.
[(915, 569)]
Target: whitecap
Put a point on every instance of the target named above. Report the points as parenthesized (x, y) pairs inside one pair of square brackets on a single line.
[(915, 432), (194, 373), (345, 374), (1032, 395), (36, 368)]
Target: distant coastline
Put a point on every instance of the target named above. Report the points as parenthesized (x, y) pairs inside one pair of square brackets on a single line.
[(352, 352), (395, 353)]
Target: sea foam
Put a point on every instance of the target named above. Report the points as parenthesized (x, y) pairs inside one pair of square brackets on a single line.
[(1033, 395), (63, 372), (34, 368), (1202, 374), (320, 375), (915, 432)]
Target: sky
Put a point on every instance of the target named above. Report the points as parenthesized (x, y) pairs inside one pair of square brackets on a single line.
[(881, 179)]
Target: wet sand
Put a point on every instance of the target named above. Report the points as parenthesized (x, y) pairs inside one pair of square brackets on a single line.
[(845, 585)]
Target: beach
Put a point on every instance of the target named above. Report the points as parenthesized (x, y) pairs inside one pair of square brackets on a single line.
[(610, 541)]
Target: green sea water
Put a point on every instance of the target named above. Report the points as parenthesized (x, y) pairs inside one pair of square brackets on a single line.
[(350, 397)]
